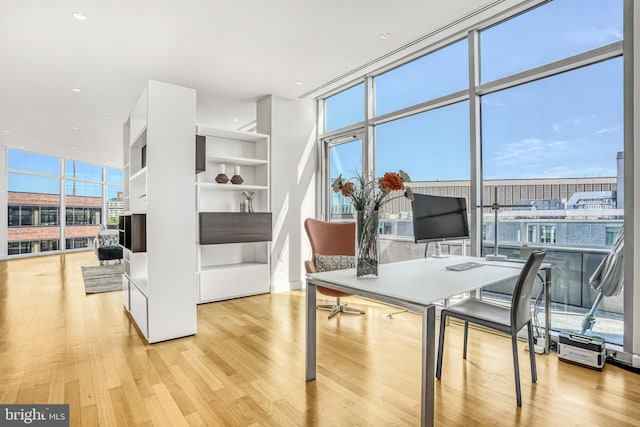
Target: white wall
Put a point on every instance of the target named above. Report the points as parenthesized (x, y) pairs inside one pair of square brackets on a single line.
[(4, 200), (292, 126)]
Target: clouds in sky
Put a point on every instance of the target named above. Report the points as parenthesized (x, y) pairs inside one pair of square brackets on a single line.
[(540, 158), (608, 130)]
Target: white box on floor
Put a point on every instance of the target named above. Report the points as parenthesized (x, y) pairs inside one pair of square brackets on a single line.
[(583, 350)]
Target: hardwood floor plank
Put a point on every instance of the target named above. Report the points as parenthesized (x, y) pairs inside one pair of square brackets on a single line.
[(245, 367), (174, 416), (123, 414), (88, 416)]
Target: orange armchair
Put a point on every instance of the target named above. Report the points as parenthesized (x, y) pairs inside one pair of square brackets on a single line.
[(331, 238)]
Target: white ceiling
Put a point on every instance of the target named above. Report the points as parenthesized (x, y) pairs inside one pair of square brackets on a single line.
[(233, 52)]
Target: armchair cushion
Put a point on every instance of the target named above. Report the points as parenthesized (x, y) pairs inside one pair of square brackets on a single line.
[(106, 238), (334, 262)]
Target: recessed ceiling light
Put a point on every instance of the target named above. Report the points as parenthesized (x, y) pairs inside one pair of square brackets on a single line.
[(235, 120), (299, 82), (74, 127), (75, 89), (6, 131), (385, 35), (79, 16), (74, 148)]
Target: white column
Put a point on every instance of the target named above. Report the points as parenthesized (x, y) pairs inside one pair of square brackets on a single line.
[(632, 181), (292, 127)]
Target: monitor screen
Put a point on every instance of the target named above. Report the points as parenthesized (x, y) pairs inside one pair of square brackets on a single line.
[(438, 218)]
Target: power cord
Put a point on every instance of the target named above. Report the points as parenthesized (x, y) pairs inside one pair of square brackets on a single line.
[(536, 308)]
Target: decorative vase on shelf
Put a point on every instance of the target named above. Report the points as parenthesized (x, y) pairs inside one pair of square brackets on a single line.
[(248, 198), (367, 255), (236, 178), (222, 177)]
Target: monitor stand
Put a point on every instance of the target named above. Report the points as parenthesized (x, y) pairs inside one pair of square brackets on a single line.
[(439, 253), (496, 257)]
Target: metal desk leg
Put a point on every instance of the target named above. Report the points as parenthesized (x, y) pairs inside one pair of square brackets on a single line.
[(547, 309), (428, 365), (310, 362)]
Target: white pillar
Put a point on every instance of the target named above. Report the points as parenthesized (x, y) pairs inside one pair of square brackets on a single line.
[(292, 127), (632, 181)]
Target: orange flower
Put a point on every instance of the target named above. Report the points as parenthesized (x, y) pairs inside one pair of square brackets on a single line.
[(392, 181), (367, 192), (348, 188)]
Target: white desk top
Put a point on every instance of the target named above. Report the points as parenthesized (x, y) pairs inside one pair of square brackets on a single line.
[(422, 281)]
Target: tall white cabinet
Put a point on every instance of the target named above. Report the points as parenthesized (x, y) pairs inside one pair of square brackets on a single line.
[(233, 247), (158, 227)]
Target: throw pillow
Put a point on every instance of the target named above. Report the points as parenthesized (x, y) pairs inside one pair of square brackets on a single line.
[(334, 262), (108, 238)]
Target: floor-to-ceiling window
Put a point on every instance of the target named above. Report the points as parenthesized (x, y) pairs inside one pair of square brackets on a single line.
[(40, 220), (33, 202), (343, 149), (84, 203), (555, 122), (549, 130)]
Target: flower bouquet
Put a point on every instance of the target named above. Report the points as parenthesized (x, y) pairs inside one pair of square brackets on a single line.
[(368, 194)]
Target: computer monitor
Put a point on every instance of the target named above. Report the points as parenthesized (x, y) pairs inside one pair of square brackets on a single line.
[(439, 218)]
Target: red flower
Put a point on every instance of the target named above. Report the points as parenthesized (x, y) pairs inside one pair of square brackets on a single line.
[(348, 188), (392, 181)]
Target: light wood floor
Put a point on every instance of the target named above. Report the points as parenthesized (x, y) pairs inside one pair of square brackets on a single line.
[(245, 367)]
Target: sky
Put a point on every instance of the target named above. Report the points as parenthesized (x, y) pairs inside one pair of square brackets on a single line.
[(565, 126), (49, 165)]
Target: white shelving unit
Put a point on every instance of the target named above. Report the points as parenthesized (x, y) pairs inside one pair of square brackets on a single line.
[(126, 256), (224, 187), (231, 270), (159, 286)]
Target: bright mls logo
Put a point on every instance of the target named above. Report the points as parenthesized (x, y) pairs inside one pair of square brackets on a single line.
[(34, 415)]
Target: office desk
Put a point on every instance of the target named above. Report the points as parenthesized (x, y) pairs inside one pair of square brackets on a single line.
[(414, 285)]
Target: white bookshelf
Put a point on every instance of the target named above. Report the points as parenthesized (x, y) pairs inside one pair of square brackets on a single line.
[(241, 161), (204, 186), (159, 287), (231, 270)]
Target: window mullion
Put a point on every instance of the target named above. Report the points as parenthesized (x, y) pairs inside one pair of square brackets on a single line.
[(63, 206), (368, 143), (475, 149)]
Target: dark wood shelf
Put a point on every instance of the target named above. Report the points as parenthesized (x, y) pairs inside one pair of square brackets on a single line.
[(234, 227), (201, 153), (133, 232), (138, 233), (121, 231)]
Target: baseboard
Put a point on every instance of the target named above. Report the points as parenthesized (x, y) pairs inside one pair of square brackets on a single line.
[(295, 285)]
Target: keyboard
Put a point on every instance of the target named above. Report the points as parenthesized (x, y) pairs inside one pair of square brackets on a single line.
[(464, 266)]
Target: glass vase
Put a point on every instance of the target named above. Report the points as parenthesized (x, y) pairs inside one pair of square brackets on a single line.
[(367, 255)]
